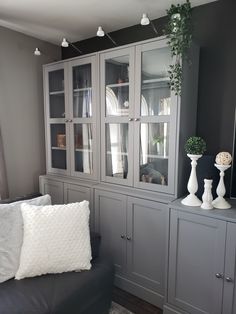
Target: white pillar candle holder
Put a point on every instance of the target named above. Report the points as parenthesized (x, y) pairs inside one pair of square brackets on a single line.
[(220, 202), (207, 197), (192, 199)]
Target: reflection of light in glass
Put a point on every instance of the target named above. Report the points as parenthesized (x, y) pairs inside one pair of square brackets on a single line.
[(115, 137), (165, 106), (144, 132), (111, 102), (165, 139), (83, 139)]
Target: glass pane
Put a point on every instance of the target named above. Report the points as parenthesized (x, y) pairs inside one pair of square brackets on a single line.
[(117, 86), (57, 106), (58, 146), (82, 76), (117, 150), (154, 151), (155, 98), (56, 94), (56, 81), (117, 101), (83, 148), (82, 91)]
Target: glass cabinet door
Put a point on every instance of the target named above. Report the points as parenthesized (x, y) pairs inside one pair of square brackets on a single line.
[(117, 71), (57, 159), (83, 105), (154, 110)]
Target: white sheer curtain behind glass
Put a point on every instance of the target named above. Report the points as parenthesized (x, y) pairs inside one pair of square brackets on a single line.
[(3, 176)]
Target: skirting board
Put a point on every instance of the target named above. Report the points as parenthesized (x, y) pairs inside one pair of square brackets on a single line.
[(139, 291), (169, 310)]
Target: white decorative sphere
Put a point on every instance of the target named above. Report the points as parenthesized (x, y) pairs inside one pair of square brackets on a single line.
[(223, 158)]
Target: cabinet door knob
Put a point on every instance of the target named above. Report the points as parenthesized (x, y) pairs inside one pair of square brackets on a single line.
[(66, 120), (228, 279), (122, 236), (131, 119), (137, 119), (219, 275), (128, 238), (70, 120)]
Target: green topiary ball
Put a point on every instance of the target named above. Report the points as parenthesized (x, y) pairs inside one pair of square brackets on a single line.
[(195, 146)]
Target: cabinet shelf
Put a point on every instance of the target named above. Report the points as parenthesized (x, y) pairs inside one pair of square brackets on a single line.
[(117, 85), (155, 156), (117, 153), (58, 148), (84, 150), (76, 90), (60, 92), (162, 79)]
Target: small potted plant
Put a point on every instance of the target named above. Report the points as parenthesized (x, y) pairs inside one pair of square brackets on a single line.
[(158, 141), (195, 146)]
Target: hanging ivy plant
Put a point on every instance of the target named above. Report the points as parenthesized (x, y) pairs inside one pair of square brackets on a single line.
[(179, 34)]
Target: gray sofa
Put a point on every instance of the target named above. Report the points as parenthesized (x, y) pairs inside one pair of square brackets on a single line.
[(86, 292)]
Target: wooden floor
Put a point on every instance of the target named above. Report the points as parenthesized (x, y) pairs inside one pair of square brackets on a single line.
[(133, 303)]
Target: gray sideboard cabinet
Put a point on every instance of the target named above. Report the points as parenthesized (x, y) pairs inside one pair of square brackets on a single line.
[(66, 190), (202, 262), (134, 232)]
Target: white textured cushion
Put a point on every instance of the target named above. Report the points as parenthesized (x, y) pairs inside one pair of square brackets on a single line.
[(11, 235), (56, 239)]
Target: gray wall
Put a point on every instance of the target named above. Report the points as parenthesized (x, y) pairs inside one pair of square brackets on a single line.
[(21, 108)]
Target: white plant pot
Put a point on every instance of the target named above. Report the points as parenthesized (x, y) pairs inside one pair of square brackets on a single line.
[(192, 199), (220, 202)]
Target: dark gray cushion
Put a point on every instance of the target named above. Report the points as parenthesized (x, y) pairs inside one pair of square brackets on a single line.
[(86, 292)]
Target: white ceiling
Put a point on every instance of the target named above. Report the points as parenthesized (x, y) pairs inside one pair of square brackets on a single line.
[(51, 20)]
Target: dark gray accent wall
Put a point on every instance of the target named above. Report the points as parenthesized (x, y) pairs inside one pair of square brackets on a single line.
[(215, 32), (21, 108)]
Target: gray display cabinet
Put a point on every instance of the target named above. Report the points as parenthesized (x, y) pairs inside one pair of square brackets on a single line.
[(202, 261), (134, 234), (70, 117), (142, 145), (115, 135)]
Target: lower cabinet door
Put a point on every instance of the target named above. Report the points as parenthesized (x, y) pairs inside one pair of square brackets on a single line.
[(229, 300), (53, 188), (110, 222), (78, 193), (196, 263), (147, 234)]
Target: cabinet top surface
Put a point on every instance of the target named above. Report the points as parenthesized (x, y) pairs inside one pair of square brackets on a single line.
[(222, 214)]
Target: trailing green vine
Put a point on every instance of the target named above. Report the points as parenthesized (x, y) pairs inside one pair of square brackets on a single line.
[(179, 34)]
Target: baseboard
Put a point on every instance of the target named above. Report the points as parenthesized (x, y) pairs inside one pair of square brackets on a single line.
[(139, 291), (169, 310)]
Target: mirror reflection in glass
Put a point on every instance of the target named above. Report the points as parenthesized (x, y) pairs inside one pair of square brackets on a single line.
[(117, 150), (83, 148), (155, 90), (117, 86), (154, 151)]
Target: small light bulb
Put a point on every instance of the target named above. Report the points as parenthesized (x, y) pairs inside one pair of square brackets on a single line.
[(100, 32), (37, 52), (145, 20), (64, 43)]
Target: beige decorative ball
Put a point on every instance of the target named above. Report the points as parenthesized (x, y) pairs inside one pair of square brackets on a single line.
[(223, 158)]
